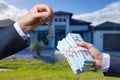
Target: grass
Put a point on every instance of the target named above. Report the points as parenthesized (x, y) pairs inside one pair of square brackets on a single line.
[(40, 70)]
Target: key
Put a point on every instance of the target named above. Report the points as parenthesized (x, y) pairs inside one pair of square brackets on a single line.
[(48, 22)]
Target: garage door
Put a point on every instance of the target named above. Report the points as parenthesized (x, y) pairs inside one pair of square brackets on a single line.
[(111, 42)]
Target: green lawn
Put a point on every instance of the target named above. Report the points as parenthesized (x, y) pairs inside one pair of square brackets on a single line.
[(40, 70)]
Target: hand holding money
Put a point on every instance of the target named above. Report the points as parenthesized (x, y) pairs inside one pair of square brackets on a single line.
[(78, 57), (98, 56)]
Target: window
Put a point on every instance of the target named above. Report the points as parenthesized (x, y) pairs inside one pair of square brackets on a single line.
[(56, 20), (64, 20), (60, 20), (42, 36)]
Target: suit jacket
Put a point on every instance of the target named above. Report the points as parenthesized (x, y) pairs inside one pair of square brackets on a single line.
[(10, 42), (114, 69)]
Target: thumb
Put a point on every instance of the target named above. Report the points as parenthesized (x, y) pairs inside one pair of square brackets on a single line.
[(84, 44)]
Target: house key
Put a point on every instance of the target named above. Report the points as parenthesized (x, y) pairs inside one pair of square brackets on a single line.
[(48, 22)]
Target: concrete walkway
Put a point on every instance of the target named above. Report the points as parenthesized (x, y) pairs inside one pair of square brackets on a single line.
[(49, 55)]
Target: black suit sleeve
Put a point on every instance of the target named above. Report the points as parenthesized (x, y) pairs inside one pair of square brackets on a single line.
[(114, 70), (10, 42)]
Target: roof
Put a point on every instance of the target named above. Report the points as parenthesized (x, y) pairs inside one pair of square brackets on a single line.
[(6, 22), (78, 22), (108, 26), (63, 13), (72, 21)]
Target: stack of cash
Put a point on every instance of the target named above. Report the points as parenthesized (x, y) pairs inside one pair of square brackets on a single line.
[(78, 57)]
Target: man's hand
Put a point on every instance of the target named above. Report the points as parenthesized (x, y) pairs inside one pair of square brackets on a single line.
[(94, 52), (35, 17)]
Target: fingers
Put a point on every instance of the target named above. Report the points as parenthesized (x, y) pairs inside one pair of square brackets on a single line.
[(44, 10), (43, 7), (41, 11), (84, 44), (40, 15)]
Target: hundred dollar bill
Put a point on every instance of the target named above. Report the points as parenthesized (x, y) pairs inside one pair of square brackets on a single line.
[(76, 37), (80, 50), (75, 58), (69, 58), (75, 48), (78, 57)]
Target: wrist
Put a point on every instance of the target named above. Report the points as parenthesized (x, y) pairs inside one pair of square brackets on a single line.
[(20, 32), (23, 27), (98, 61), (105, 62), (98, 64)]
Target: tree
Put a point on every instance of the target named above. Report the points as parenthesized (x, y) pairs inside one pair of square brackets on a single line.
[(37, 47)]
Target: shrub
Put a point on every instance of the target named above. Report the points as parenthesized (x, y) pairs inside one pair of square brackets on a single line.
[(37, 47)]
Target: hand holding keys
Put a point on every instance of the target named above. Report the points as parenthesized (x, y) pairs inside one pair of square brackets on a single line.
[(78, 57), (48, 21)]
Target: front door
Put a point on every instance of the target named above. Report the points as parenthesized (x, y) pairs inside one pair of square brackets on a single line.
[(59, 33)]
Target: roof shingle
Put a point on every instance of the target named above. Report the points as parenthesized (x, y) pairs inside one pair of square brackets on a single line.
[(108, 26)]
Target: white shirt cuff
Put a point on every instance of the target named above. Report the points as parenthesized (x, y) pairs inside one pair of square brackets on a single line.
[(105, 62), (20, 32)]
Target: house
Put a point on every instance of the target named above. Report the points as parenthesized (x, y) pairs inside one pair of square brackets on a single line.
[(106, 36), (63, 23)]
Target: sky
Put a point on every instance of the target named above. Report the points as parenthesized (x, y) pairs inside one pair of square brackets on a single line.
[(94, 11), (74, 6)]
